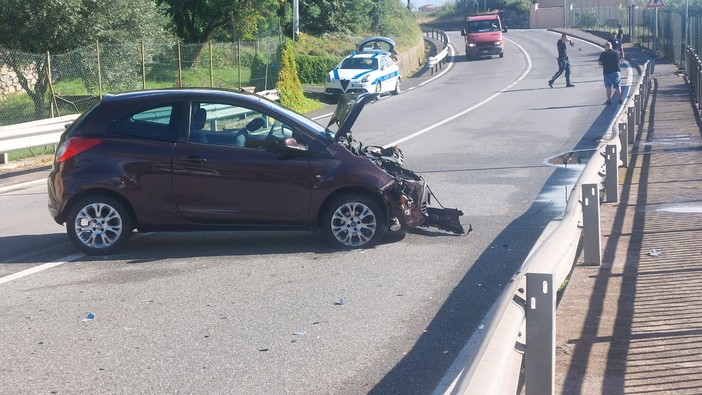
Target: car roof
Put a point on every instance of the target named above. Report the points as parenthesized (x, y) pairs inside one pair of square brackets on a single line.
[(368, 54), (482, 17), (179, 93)]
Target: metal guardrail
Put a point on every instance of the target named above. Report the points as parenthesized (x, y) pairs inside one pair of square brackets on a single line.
[(693, 68), (32, 134), (520, 329), (47, 132), (437, 61)]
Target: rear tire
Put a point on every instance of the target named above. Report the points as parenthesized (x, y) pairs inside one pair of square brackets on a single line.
[(353, 221), (397, 87), (98, 225)]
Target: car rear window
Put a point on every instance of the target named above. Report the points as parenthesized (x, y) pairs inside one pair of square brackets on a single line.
[(157, 123)]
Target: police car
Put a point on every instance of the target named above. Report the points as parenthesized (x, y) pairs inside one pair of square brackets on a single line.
[(373, 68)]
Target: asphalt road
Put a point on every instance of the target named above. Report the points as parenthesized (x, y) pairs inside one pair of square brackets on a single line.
[(279, 312)]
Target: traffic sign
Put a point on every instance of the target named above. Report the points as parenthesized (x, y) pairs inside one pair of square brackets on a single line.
[(655, 4)]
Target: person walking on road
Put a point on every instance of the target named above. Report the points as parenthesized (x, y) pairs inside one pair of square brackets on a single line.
[(609, 60), (563, 63)]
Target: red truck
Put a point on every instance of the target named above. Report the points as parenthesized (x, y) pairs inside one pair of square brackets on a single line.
[(483, 35)]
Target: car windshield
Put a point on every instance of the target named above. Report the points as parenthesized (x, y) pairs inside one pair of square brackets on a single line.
[(309, 124), (483, 26), (359, 63)]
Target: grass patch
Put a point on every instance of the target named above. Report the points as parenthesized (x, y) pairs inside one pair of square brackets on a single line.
[(31, 153)]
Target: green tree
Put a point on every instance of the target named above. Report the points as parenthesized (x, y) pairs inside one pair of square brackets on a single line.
[(288, 85), (58, 26), (390, 18), (197, 21), (334, 16)]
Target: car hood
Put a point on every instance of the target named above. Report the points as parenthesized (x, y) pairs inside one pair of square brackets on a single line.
[(387, 40), (347, 111), (348, 74)]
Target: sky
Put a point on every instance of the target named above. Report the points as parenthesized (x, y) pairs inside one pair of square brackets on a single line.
[(419, 3)]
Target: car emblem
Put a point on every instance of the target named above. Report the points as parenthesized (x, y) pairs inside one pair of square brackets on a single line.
[(345, 84)]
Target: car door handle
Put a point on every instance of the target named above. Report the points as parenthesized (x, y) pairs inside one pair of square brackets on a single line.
[(192, 158)]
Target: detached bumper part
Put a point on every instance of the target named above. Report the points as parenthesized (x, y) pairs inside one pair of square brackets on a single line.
[(445, 219)]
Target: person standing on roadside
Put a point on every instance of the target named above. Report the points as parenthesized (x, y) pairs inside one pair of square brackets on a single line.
[(609, 60), (616, 44), (563, 63), (620, 33)]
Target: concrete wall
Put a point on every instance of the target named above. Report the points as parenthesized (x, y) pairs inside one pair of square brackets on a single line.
[(545, 18), (411, 60)]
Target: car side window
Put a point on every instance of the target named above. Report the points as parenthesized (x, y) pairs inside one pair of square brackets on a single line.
[(157, 123), (236, 126)]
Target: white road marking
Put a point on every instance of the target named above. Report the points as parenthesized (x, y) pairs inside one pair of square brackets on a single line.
[(40, 268), (23, 185), (467, 110)]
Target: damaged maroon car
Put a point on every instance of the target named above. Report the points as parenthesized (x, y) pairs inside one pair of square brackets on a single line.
[(206, 159)]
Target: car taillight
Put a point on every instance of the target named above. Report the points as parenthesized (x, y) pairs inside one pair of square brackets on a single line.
[(74, 146)]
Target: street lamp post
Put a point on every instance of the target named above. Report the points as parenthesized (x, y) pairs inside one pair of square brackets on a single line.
[(296, 19)]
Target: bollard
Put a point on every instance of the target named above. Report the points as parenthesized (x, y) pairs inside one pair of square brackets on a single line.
[(624, 142), (637, 108), (540, 358), (611, 174), (631, 126), (591, 224)]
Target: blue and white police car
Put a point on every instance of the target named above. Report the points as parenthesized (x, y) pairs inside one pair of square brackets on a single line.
[(373, 68)]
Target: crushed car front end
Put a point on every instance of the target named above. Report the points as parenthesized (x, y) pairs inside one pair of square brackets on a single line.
[(407, 196)]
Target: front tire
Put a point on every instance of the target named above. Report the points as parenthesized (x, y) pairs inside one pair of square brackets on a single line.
[(353, 221), (98, 225)]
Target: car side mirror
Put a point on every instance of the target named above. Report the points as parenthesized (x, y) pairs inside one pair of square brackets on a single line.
[(463, 32), (291, 144)]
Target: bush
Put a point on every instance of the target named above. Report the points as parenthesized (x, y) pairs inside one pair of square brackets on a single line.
[(289, 86), (313, 69)]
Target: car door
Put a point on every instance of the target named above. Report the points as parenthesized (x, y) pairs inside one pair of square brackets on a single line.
[(225, 173)]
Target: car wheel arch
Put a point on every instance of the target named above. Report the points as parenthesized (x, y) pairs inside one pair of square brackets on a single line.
[(374, 195), (100, 192)]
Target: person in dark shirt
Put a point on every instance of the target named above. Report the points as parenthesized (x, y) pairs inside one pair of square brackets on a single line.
[(563, 63), (620, 33), (609, 60), (616, 44)]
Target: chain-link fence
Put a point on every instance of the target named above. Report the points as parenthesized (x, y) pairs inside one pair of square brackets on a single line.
[(639, 25), (37, 86)]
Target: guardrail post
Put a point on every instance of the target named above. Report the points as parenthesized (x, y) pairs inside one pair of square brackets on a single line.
[(591, 224), (637, 107), (624, 142), (540, 357), (4, 159), (611, 174), (631, 123)]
